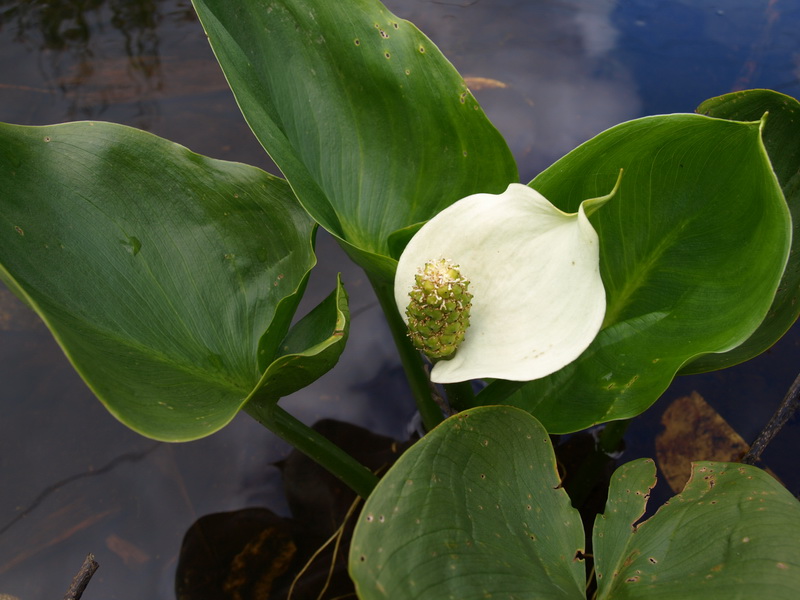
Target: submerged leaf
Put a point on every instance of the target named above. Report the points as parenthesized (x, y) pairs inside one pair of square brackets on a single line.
[(694, 431)]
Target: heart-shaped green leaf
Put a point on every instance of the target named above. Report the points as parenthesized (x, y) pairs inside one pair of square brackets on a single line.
[(734, 532), (781, 135), (475, 510), (692, 249), (371, 125), (472, 510), (157, 270)]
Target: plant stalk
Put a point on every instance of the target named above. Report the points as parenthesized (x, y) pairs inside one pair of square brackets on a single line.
[(787, 408), (590, 473), (314, 445), (411, 359), (460, 395)]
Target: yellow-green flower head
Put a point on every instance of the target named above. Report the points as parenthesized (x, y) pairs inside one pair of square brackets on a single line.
[(438, 311), (537, 297)]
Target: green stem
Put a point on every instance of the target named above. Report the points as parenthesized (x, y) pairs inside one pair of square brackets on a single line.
[(412, 362), (611, 437), (460, 395), (314, 445), (580, 484)]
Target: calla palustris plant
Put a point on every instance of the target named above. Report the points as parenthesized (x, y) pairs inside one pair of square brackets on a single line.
[(476, 510), (371, 125), (781, 133), (534, 277), (692, 250), (169, 279)]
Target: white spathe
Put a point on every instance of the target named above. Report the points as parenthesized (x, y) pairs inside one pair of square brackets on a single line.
[(534, 272)]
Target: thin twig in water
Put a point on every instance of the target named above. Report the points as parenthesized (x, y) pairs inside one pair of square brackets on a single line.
[(336, 537), (81, 579), (790, 404)]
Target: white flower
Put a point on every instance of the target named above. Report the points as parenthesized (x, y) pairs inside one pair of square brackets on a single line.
[(534, 272)]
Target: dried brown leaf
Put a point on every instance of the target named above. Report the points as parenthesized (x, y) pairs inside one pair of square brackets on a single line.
[(693, 431)]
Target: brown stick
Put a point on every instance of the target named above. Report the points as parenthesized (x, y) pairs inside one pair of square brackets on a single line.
[(81, 579), (790, 404)]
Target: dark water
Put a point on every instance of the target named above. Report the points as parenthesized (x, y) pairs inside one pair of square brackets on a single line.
[(74, 480)]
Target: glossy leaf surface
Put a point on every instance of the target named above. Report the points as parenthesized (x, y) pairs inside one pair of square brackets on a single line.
[(782, 141), (369, 122), (692, 247), (473, 510), (734, 532), (311, 347), (157, 270)]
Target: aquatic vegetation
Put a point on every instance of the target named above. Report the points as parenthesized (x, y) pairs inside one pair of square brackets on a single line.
[(576, 298)]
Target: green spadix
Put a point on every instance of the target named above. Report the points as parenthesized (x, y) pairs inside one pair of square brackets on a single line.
[(438, 313)]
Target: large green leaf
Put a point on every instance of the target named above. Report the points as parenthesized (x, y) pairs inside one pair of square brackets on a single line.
[(734, 532), (692, 249), (157, 270), (473, 510), (371, 125), (782, 141)]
